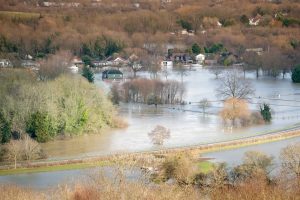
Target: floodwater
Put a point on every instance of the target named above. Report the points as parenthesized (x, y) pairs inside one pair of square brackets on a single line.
[(46, 180), (187, 125), (234, 157)]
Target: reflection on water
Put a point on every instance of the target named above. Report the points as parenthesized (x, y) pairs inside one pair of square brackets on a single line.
[(187, 125), (45, 180)]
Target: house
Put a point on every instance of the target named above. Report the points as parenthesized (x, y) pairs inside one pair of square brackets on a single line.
[(167, 64), (5, 63), (255, 21), (74, 69), (259, 51), (112, 74), (210, 59), (77, 62), (133, 58), (189, 33), (182, 58), (119, 61), (200, 58), (30, 64)]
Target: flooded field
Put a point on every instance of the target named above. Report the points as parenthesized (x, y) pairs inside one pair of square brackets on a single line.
[(187, 125), (234, 157), (46, 180)]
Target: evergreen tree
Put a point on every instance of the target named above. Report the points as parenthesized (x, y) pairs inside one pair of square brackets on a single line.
[(196, 48), (265, 112), (88, 74), (5, 129), (296, 74)]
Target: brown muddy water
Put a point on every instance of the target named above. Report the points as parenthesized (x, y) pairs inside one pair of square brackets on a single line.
[(187, 125)]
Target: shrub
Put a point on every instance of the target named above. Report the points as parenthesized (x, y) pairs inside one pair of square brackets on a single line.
[(41, 126), (265, 112), (244, 19), (5, 129), (196, 48), (88, 74), (296, 74)]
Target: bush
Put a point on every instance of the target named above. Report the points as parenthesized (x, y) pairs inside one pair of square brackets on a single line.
[(196, 49), (41, 126), (88, 74), (296, 74), (265, 112), (5, 129), (244, 19)]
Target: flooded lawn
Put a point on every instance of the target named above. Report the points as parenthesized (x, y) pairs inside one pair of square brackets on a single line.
[(187, 125)]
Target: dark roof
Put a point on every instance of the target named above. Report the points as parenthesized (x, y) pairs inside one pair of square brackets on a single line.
[(112, 71)]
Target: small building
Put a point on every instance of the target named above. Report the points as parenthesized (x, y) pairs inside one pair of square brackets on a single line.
[(74, 69), (77, 62), (167, 64), (5, 63), (30, 64), (200, 58), (112, 74), (255, 21), (119, 61), (182, 58), (258, 51)]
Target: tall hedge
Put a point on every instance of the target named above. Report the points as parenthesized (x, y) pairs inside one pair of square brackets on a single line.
[(296, 74)]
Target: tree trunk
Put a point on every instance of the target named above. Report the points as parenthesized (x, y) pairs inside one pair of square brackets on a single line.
[(15, 161), (257, 73)]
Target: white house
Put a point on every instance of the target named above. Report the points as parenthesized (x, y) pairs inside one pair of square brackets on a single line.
[(167, 64), (74, 69), (255, 21), (119, 61), (200, 58), (259, 51), (5, 63)]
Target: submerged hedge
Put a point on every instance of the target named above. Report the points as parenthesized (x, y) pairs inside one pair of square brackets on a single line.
[(67, 105)]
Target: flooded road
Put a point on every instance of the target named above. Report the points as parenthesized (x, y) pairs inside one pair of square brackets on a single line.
[(187, 125)]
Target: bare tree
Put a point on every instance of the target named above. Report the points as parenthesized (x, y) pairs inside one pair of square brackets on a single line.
[(31, 148), (204, 104), (55, 65), (216, 70), (165, 73), (234, 111), (232, 85), (290, 159), (14, 151), (159, 134)]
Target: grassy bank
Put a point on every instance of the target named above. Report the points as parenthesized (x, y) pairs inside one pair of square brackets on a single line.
[(54, 168)]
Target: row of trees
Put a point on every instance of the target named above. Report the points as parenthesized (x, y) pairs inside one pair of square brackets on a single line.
[(64, 106), (100, 34), (150, 91)]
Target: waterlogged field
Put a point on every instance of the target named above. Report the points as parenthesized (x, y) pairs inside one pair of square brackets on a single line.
[(187, 124)]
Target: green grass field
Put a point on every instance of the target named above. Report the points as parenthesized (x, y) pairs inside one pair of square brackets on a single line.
[(205, 166), (53, 168), (19, 15)]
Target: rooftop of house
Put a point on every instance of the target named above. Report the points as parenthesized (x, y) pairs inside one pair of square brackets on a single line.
[(112, 71)]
